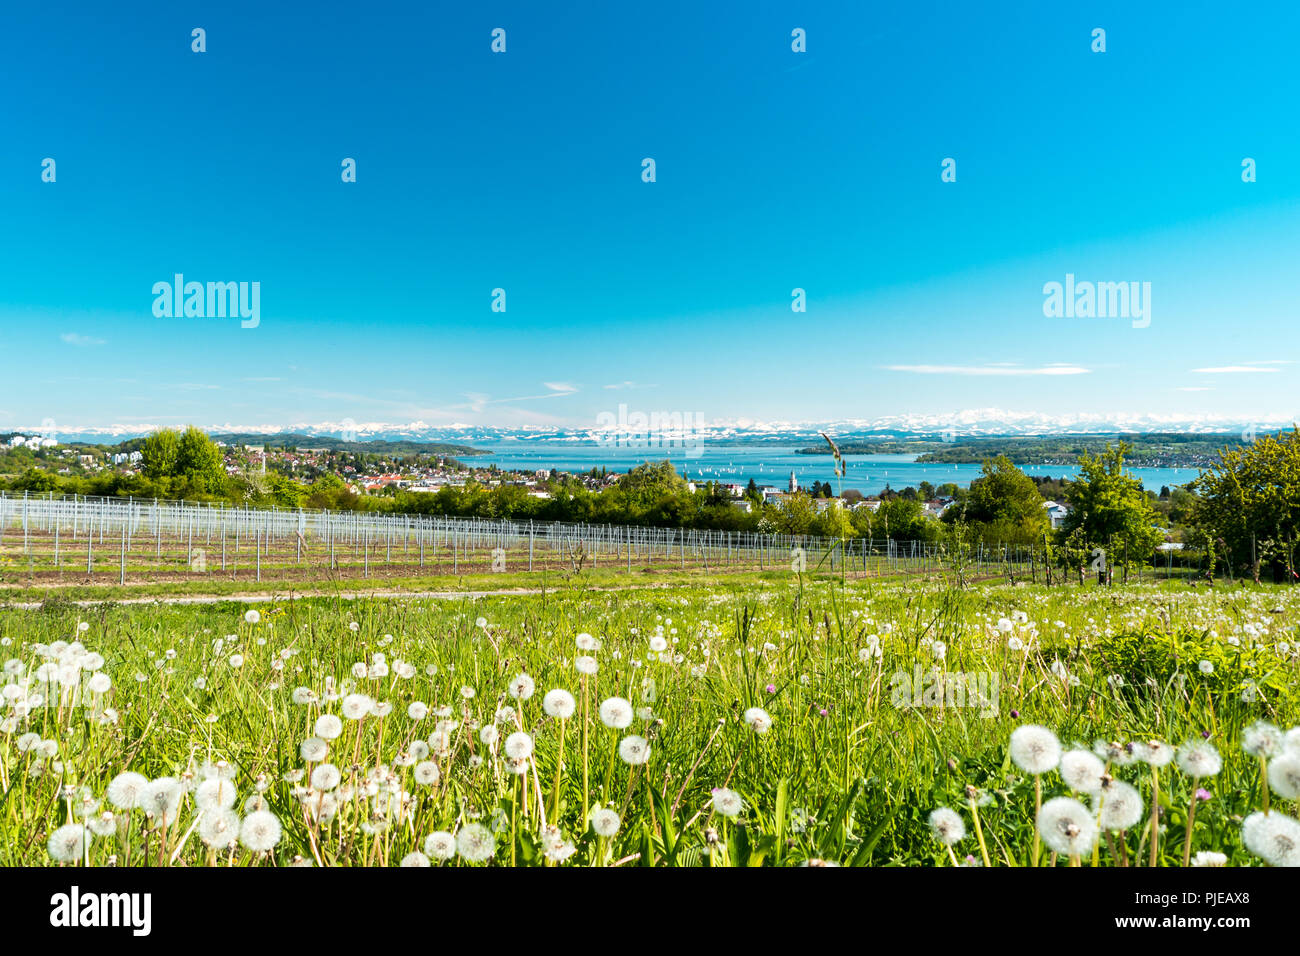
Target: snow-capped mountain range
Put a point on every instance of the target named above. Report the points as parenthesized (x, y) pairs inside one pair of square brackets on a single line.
[(971, 423)]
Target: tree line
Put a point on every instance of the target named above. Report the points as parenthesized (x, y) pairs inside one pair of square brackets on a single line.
[(1241, 516)]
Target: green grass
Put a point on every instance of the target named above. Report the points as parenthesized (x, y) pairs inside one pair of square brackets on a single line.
[(847, 773)]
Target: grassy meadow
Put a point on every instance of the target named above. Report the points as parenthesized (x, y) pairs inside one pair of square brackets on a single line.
[(773, 722)]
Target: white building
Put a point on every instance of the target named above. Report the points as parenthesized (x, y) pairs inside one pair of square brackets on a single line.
[(1056, 513)]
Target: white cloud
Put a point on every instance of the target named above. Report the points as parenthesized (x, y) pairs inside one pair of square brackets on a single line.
[(999, 369), (1234, 370), (79, 340)]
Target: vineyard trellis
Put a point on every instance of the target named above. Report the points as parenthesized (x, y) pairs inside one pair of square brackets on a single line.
[(50, 537)]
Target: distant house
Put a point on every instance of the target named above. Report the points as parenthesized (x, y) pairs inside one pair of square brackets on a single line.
[(744, 504), (1056, 513)]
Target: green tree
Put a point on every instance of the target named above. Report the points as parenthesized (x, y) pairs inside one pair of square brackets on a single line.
[(1003, 505), (1250, 501), (1109, 508), (198, 461), (159, 454)]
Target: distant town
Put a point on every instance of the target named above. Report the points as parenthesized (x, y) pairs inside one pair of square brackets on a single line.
[(1003, 504)]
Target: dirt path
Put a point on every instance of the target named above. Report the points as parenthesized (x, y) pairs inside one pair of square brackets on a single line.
[(343, 595)]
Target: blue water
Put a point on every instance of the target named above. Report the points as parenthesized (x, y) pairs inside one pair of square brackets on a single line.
[(772, 464)]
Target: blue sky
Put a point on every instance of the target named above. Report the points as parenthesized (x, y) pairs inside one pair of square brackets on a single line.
[(522, 171)]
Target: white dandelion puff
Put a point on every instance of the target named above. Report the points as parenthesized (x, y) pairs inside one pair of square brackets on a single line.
[(758, 719), (440, 845), (260, 831), (616, 712), (215, 794), (124, 790), (219, 829), (1198, 758), (1121, 806), (67, 844), (475, 843), (160, 798), (519, 746), (946, 826), (727, 802), (1066, 826), (1261, 739), (1273, 837), (1035, 749), (357, 706), (1156, 753), (1284, 775), (328, 727), (1081, 771), (559, 703), (522, 687), (605, 822), (314, 749), (634, 750), (325, 777)]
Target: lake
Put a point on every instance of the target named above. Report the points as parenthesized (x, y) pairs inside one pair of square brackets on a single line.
[(771, 464)]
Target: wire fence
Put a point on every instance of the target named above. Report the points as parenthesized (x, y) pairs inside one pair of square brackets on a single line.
[(60, 538), (77, 539)]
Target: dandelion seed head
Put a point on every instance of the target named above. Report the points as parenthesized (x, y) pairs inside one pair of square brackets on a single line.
[(758, 719), (727, 802), (475, 843), (616, 712), (634, 750), (124, 790), (522, 687), (559, 703), (1066, 826), (325, 777), (1034, 749), (519, 745), (1284, 775), (440, 845), (215, 794), (605, 822), (1273, 837), (946, 826), (1121, 806), (1081, 771), (328, 727), (1197, 759), (67, 844), (1261, 739), (260, 831)]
